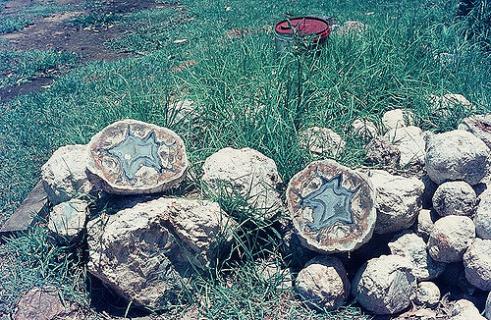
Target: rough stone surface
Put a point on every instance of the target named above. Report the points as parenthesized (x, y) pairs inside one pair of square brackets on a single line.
[(40, 304), (465, 310), (381, 152), (322, 141), (488, 307), (67, 219), (425, 223), (364, 129), (332, 207), (427, 294), (397, 118), (385, 285), (398, 200), (245, 172), (323, 283), (477, 264), (167, 237), (456, 155), (482, 219), (64, 174), (134, 157), (455, 198), (451, 236), (411, 143), (480, 126), (413, 247)]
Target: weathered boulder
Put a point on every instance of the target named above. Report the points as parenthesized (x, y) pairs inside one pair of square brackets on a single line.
[(455, 198), (41, 304), (398, 200), (364, 129), (482, 219), (147, 253), (456, 155), (427, 294), (413, 247), (64, 174), (488, 307), (397, 118), (67, 219), (465, 310), (477, 264), (321, 141), (247, 173), (451, 236), (385, 285), (323, 283), (411, 143), (425, 223), (381, 152), (332, 207), (480, 126), (134, 157)]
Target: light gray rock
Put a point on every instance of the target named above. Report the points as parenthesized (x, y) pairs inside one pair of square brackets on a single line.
[(64, 174), (321, 141), (451, 236), (444, 104), (456, 155), (413, 247), (455, 198), (382, 153), (364, 129), (247, 173), (181, 111), (427, 294), (385, 285), (146, 253), (477, 264), (67, 219), (323, 283), (411, 143), (425, 223), (482, 219), (398, 200), (397, 118), (465, 310), (480, 126), (488, 307)]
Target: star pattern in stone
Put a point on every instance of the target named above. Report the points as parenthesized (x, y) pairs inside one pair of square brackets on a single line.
[(134, 152), (330, 203)]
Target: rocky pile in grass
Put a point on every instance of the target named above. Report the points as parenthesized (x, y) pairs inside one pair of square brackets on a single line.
[(412, 238)]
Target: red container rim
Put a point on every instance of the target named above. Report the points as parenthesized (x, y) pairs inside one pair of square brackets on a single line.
[(303, 26)]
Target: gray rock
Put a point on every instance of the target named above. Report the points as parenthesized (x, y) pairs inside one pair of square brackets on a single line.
[(456, 155), (444, 104), (382, 153), (427, 294), (477, 264), (397, 118), (482, 219), (321, 141), (425, 223), (455, 198), (364, 129), (465, 310), (480, 126), (67, 219), (410, 142), (41, 304)]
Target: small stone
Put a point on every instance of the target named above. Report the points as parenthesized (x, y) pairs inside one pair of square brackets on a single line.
[(382, 153), (323, 283), (456, 155), (385, 285), (350, 27), (321, 141), (40, 304), (134, 157), (411, 143), (413, 247), (64, 176), (398, 200), (247, 173), (364, 129), (451, 236), (480, 126), (67, 219), (477, 264), (488, 307), (332, 207), (455, 198), (482, 219), (442, 105), (397, 118), (425, 223), (465, 310), (427, 294)]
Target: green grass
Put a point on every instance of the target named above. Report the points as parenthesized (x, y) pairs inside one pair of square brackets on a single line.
[(8, 25), (357, 76)]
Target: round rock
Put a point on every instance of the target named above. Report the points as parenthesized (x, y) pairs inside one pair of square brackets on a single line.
[(332, 207), (67, 219), (482, 219), (411, 143), (385, 285), (451, 236), (480, 126), (427, 294), (321, 141), (397, 118), (134, 157), (455, 198), (456, 155), (477, 264), (323, 283)]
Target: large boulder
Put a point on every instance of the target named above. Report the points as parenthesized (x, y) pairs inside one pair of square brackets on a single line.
[(456, 155), (321, 141), (477, 264), (397, 118), (411, 143), (67, 219), (323, 283), (134, 157), (482, 219), (480, 126), (451, 236), (398, 200), (332, 207), (64, 174), (246, 173), (455, 198), (385, 285), (147, 252)]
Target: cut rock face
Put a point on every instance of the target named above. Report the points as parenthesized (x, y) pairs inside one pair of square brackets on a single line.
[(147, 253), (332, 207), (67, 219), (398, 200), (385, 285), (477, 264), (455, 198), (64, 176), (397, 118), (247, 172), (321, 141), (410, 142), (456, 155), (323, 283), (482, 219), (133, 157), (451, 236), (480, 126)]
